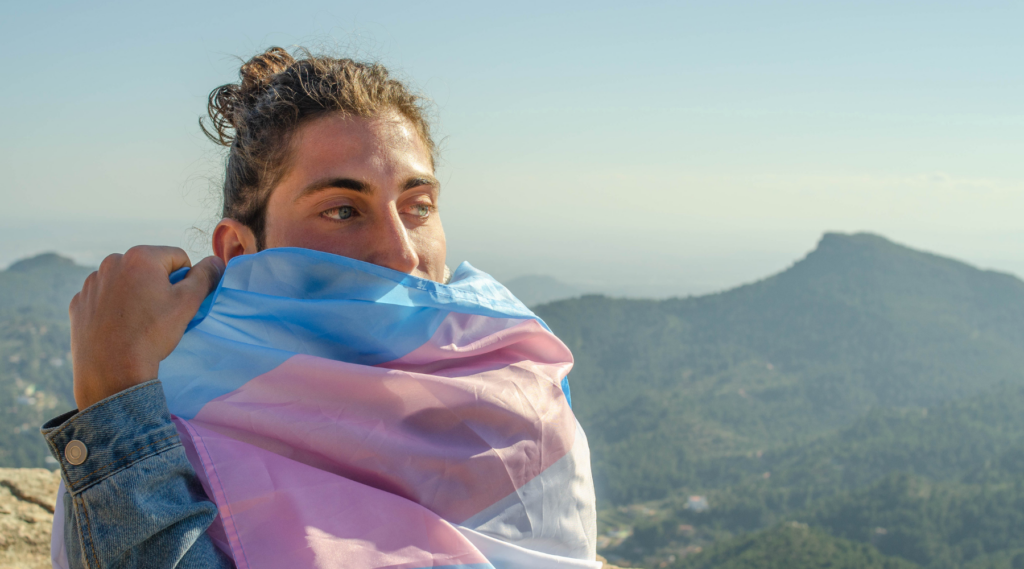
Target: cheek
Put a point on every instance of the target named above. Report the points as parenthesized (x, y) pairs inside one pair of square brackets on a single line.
[(328, 242), (432, 247)]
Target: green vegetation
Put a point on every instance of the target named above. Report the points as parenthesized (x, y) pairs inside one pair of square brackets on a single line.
[(790, 546), (935, 525)]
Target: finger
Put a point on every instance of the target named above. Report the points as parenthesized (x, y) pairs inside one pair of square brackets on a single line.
[(200, 281)]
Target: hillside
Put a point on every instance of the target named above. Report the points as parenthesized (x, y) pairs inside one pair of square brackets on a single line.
[(668, 390), (791, 546), (43, 284), (935, 525), (943, 485), (35, 371)]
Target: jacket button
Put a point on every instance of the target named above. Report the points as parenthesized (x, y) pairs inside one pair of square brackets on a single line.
[(76, 452)]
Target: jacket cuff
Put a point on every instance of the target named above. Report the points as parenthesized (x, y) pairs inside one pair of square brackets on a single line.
[(111, 435)]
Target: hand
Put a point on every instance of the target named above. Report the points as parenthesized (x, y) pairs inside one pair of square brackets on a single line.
[(128, 318)]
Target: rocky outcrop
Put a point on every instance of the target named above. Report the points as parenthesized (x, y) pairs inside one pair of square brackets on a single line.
[(26, 515)]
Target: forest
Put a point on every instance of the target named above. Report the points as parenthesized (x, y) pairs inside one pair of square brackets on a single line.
[(858, 409)]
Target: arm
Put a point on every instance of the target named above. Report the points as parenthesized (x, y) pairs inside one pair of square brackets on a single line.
[(132, 498), (134, 501)]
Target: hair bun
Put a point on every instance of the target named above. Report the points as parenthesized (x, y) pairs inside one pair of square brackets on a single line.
[(256, 72), (228, 103)]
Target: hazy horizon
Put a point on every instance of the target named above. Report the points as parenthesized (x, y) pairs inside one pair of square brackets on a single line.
[(692, 276), (654, 148)]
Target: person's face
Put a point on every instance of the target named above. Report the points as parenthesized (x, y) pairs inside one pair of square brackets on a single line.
[(362, 188)]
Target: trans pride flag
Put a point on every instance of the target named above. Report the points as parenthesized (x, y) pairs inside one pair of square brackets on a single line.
[(341, 414)]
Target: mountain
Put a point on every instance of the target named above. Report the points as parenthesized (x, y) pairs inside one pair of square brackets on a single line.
[(671, 391), (44, 283), (540, 289), (35, 358)]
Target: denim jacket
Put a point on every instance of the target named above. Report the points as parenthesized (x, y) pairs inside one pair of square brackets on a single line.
[(134, 501)]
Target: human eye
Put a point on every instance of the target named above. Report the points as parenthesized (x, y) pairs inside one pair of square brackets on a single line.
[(340, 213), (421, 210)]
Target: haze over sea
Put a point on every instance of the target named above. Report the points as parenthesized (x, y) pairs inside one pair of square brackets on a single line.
[(645, 149)]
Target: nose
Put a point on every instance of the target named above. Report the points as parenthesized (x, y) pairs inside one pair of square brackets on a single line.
[(392, 247)]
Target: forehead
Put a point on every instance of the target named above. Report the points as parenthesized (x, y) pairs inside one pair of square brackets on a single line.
[(388, 144)]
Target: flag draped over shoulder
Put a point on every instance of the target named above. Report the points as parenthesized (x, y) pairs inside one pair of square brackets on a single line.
[(341, 414)]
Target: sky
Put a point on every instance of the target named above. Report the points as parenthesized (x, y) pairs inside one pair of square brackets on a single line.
[(642, 149)]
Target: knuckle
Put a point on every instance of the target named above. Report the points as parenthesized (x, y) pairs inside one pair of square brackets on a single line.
[(136, 254), (90, 282), (109, 262)]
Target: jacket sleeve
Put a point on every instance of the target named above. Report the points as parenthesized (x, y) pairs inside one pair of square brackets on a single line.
[(132, 499)]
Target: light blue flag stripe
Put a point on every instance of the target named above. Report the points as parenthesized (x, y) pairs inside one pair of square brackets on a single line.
[(364, 314)]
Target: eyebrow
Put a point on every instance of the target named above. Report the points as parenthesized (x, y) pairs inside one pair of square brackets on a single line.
[(363, 187)]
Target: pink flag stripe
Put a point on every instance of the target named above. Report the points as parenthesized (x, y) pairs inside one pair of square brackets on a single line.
[(330, 521), (466, 344), (203, 463), (454, 445)]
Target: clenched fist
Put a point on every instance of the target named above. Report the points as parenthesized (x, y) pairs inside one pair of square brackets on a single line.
[(128, 318)]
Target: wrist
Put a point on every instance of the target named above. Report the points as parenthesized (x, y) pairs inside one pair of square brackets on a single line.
[(91, 387)]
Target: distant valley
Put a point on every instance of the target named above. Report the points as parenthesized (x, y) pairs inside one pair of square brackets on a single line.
[(534, 290)]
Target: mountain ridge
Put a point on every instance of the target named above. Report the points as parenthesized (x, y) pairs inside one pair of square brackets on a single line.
[(860, 322)]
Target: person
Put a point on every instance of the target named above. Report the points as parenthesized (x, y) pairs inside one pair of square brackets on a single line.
[(325, 154)]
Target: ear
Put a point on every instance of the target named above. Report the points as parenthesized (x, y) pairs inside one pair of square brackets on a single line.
[(231, 239)]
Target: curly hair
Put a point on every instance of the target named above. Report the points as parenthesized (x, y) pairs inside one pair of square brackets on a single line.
[(256, 118)]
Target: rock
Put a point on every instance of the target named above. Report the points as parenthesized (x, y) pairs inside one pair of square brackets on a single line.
[(27, 496)]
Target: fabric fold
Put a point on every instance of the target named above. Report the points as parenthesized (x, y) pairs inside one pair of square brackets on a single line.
[(342, 414)]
